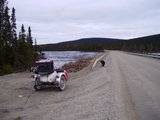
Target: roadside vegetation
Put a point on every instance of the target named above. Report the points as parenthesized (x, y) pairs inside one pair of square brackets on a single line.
[(17, 52), (78, 65)]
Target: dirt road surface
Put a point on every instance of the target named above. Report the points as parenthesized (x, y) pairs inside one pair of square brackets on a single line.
[(127, 88)]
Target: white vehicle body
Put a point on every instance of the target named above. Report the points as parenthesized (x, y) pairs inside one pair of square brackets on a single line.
[(46, 75)]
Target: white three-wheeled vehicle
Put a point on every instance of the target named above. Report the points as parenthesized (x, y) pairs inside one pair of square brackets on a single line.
[(46, 75)]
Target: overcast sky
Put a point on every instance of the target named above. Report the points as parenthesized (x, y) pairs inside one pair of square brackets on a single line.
[(55, 21)]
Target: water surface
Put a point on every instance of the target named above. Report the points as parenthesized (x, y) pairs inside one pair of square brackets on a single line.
[(62, 57)]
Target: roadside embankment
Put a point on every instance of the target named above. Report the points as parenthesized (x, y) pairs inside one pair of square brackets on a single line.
[(83, 63), (78, 65)]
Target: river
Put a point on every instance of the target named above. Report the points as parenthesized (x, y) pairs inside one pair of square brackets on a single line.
[(62, 57)]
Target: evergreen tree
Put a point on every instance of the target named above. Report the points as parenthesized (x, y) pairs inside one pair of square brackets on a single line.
[(29, 37), (35, 45), (13, 27), (6, 52), (22, 34), (6, 29), (7, 36), (2, 7), (15, 54)]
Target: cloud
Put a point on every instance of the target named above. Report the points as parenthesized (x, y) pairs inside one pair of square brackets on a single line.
[(55, 21)]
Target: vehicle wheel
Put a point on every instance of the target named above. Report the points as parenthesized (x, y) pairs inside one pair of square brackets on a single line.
[(62, 84), (37, 86)]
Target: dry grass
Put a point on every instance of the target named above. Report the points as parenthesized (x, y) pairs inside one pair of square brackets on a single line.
[(78, 65)]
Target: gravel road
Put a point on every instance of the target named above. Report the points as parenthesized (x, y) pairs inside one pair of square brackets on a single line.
[(127, 88), (143, 80)]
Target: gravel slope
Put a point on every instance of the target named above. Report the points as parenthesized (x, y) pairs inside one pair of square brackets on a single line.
[(112, 92)]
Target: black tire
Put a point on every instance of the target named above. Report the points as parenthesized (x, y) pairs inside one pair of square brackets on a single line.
[(37, 86), (62, 84)]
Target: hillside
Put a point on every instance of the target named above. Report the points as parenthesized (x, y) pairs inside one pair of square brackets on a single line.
[(142, 44), (85, 44)]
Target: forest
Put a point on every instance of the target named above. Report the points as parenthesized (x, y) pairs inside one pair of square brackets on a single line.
[(17, 52)]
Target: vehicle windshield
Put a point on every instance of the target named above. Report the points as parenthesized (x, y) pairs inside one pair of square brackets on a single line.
[(44, 68)]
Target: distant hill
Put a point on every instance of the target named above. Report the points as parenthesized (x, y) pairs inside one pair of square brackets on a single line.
[(85, 44), (148, 43)]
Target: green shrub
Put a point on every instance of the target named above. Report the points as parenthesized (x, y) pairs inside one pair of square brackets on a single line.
[(7, 69)]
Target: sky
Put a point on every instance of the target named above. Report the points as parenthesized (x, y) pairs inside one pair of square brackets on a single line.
[(54, 21)]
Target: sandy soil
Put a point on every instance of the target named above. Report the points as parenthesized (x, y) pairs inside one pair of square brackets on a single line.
[(117, 91)]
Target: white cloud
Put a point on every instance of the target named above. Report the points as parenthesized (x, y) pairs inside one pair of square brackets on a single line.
[(62, 20)]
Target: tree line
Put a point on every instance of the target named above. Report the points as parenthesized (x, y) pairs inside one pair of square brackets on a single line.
[(141, 45), (148, 44), (16, 50)]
